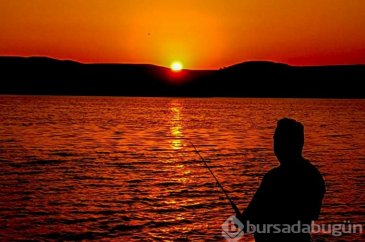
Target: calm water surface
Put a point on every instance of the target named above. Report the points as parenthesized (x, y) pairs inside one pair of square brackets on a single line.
[(123, 169)]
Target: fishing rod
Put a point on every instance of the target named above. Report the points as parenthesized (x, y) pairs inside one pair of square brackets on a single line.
[(237, 211)]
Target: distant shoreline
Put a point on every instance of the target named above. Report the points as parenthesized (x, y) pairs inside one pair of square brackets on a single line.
[(46, 76), (177, 97)]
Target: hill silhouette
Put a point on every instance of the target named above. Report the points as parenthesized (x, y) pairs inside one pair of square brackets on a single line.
[(46, 76)]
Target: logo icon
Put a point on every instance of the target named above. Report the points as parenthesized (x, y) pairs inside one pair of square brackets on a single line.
[(232, 229)]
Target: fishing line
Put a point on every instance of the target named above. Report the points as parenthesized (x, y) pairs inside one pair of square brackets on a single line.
[(237, 211)]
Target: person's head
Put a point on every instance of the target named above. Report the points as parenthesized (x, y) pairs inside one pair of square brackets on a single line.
[(288, 140)]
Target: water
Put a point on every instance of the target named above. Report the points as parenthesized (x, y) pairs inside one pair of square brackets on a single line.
[(123, 169)]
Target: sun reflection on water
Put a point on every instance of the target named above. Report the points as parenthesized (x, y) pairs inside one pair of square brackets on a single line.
[(176, 125)]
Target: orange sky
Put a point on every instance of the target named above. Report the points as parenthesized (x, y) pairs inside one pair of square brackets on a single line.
[(199, 33)]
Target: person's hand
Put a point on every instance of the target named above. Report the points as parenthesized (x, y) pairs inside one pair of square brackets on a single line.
[(239, 215)]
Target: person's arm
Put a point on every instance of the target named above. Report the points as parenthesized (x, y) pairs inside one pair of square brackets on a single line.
[(252, 211)]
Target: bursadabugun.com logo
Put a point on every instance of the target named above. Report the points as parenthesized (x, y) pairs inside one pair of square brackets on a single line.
[(233, 229)]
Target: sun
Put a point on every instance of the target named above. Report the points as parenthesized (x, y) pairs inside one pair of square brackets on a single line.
[(176, 66)]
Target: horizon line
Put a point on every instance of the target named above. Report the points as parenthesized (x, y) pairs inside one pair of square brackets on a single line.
[(192, 69)]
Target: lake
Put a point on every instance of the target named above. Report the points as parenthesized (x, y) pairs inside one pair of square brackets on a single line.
[(124, 168)]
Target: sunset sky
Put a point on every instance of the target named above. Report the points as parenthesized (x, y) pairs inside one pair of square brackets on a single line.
[(201, 34)]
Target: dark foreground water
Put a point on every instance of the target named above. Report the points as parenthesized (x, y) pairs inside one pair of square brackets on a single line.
[(123, 169)]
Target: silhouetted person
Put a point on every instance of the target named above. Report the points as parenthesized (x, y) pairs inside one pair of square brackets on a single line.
[(289, 193)]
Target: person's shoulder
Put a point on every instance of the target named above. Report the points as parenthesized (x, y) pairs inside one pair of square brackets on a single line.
[(274, 172), (315, 172), (313, 168)]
